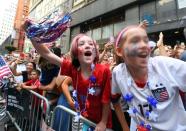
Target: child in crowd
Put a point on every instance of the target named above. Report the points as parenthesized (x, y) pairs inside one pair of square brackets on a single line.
[(34, 83), (91, 81), (150, 86)]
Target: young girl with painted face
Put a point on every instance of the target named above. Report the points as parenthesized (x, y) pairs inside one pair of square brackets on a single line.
[(150, 86), (91, 81)]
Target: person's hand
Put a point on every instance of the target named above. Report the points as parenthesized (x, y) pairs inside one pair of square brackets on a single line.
[(160, 41), (26, 24), (101, 126), (144, 24), (18, 61), (18, 87), (71, 104), (21, 85), (108, 46), (161, 35)]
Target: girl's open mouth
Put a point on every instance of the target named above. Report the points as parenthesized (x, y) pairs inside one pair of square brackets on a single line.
[(88, 53)]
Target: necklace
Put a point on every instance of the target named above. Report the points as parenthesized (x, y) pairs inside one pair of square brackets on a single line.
[(143, 119), (90, 90)]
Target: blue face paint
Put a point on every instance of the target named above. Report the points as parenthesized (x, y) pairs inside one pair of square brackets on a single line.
[(133, 51)]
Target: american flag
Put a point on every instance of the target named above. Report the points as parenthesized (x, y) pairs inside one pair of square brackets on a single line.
[(161, 94), (4, 69)]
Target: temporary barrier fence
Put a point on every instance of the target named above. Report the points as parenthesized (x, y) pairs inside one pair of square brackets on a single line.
[(27, 109), (60, 124)]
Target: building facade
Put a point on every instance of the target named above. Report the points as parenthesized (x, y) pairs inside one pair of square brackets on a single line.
[(104, 18), (7, 17), (21, 14)]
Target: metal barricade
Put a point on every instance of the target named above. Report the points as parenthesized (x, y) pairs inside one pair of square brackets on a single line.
[(68, 121), (32, 116)]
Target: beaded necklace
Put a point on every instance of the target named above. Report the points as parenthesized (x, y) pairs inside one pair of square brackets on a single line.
[(143, 122), (90, 90)]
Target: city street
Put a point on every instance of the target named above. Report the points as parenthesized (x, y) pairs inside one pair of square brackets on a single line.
[(92, 65)]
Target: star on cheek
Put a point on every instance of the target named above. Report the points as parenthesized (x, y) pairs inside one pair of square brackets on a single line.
[(80, 50)]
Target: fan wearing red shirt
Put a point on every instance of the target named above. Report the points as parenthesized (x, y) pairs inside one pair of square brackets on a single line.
[(34, 83), (94, 103), (96, 106)]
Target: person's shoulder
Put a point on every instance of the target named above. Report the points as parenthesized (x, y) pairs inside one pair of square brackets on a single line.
[(66, 64), (161, 58), (102, 68), (38, 82), (24, 72), (165, 60), (28, 82), (118, 68), (67, 61)]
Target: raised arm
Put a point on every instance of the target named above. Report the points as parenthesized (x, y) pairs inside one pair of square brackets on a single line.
[(47, 54), (13, 67), (106, 48), (161, 46)]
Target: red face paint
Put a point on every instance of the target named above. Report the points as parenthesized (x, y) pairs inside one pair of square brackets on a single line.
[(80, 50)]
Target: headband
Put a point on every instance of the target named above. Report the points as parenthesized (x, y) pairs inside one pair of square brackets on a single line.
[(121, 33)]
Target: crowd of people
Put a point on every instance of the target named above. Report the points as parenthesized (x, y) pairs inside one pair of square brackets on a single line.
[(133, 84)]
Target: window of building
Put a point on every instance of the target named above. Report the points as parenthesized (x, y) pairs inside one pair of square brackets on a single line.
[(148, 12), (89, 33), (166, 10), (181, 8), (132, 15), (117, 27), (107, 31), (96, 34), (76, 2), (74, 32)]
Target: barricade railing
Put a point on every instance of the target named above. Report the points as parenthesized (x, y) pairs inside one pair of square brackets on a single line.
[(27, 111), (60, 124)]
